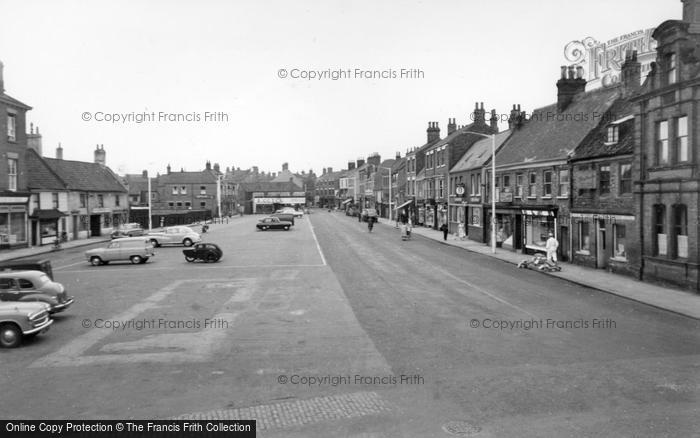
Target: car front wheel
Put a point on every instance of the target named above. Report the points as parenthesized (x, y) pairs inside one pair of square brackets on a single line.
[(10, 335), (187, 242), (154, 242), (189, 258), (96, 261), (211, 258), (136, 259)]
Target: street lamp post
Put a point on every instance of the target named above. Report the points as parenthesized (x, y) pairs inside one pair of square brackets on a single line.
[(150, 196), (493, 185)]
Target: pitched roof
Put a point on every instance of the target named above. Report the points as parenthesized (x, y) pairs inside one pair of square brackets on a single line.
[(270, 186), (12, 101), (480, 153), (83, 176), (136, 183), (550, 135), (284, 176), (39, 175), (595, 144), (202, 176)]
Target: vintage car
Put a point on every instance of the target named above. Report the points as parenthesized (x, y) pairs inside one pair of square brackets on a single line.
[(21, 320), (28, 265), (206, 252), (179, 235), (34, 286), (128, 230), (128, 249), (289, 217), (273, 223), (290, 210)]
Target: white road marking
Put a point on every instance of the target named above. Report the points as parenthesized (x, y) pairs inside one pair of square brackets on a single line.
[(191, 346), (313, 233), (96, 269), (72, 264)]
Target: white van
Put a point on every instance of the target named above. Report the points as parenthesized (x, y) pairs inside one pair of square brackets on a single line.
[(133, 249)]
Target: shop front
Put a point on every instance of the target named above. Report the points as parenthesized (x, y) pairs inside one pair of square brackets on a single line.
[(267, 205), (603, 241), (537, 225), (13, 221), (45, 226), (457, 213)]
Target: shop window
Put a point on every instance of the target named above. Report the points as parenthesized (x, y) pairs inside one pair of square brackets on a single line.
[(660, 230), (12, 174), (620, 241), (83, 223), (625, 178), (584, 237), (662, 142), (13, 228), (682, 139), (532, 186), (680, 230), (563, 183), (547, 175), (537, 230), (604, 179)]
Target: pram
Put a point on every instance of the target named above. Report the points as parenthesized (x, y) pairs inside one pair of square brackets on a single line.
[(405, 232), (539, 262)]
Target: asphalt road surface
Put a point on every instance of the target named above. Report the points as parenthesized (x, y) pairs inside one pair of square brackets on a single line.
[(329, 330)]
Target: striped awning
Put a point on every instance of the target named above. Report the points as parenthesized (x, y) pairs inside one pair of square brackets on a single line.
[(404, 204)]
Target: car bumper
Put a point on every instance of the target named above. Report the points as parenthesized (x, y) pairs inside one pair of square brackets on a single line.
[(63, 306), (39, 329)]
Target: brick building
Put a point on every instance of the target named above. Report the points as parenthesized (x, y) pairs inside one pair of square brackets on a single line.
[(667, 154)]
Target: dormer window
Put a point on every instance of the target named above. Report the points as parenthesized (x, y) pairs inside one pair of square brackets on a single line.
[(613, 134)]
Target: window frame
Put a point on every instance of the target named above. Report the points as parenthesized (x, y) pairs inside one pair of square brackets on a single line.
[(604, 184)]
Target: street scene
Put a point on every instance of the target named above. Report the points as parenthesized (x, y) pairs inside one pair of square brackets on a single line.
[(366, 220)]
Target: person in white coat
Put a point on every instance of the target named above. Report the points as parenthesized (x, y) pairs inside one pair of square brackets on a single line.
[(551, 247)]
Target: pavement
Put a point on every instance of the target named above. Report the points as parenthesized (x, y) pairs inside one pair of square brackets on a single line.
[(46, 249), (678, 301)]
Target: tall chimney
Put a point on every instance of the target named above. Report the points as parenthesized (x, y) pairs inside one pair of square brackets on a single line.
[(451, 125), (285, 166), (479, 116), (433, 132), (351, 165), (330, 170), (34, 140), (691, 14), (59, 152), (168, 169), (2, 81), (100, 155), (360, 162), (398, 155), (493, 121), (207, 166), (570, 85), (631, 74)]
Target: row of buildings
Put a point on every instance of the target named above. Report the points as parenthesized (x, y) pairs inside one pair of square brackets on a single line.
[(613, 172)]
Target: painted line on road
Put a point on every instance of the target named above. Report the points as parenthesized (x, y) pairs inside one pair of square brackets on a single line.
[(68, 266), (111, 269), (313, 233), (494, 297)]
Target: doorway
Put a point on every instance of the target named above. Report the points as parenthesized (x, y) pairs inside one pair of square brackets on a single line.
[(601, 246), (564, 244), (95, 225)]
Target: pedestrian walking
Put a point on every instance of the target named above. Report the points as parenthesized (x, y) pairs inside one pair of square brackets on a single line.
[(551, 247), (444, 230)]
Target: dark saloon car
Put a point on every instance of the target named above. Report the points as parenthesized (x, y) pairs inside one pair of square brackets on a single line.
[(206, 252), (273, 223), (289, 217)]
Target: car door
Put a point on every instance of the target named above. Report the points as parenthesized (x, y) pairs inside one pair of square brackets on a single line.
[(113, 252), (8, 289)]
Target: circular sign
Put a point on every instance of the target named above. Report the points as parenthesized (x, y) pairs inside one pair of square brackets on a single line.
[(459, 190)]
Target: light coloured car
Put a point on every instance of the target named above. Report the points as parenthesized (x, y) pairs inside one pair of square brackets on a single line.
[(133, 249), (34, 286), (178, 235), (19, 320), (290, 210), (128, 230)]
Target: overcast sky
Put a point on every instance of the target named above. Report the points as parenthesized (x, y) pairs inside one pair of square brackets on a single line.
[(68, 58)]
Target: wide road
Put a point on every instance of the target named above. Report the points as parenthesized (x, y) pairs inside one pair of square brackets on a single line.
[(329, 330)]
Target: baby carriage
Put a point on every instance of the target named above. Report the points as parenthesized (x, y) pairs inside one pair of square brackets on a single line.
[(539, 262), (405, 232)]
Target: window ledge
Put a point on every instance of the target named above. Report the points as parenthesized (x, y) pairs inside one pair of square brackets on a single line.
[(563, 197), (619, 259), (547, 197), (583, 252)]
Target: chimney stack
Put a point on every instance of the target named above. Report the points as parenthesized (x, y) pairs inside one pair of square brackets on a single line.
[(100, 155), (34, 140), (144, 174), (451, 125), (516, 117), (285, 166), (2, 80), (479, 116), (570, 85), (351, 165), (631, 74), (398, 155), (433, 132), (217, 168), (691, 14), (360, 162), (493, 121), (168, 169), (255, 169), (59, 152)]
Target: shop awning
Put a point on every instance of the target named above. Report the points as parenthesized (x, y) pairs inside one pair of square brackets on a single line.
[(47, 214), (404, 204), (346, 201)]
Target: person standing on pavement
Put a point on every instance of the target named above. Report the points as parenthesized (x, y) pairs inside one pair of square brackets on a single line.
[(551, 247), (444, 230)]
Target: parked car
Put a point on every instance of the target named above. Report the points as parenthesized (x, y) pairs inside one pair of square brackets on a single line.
[(369, 213), (43, 265), (290, 210), (128, 230), (289, 217), (133, 249), (21, 320), (34, 286), (175, 236), (273, 223), (207, 252)]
